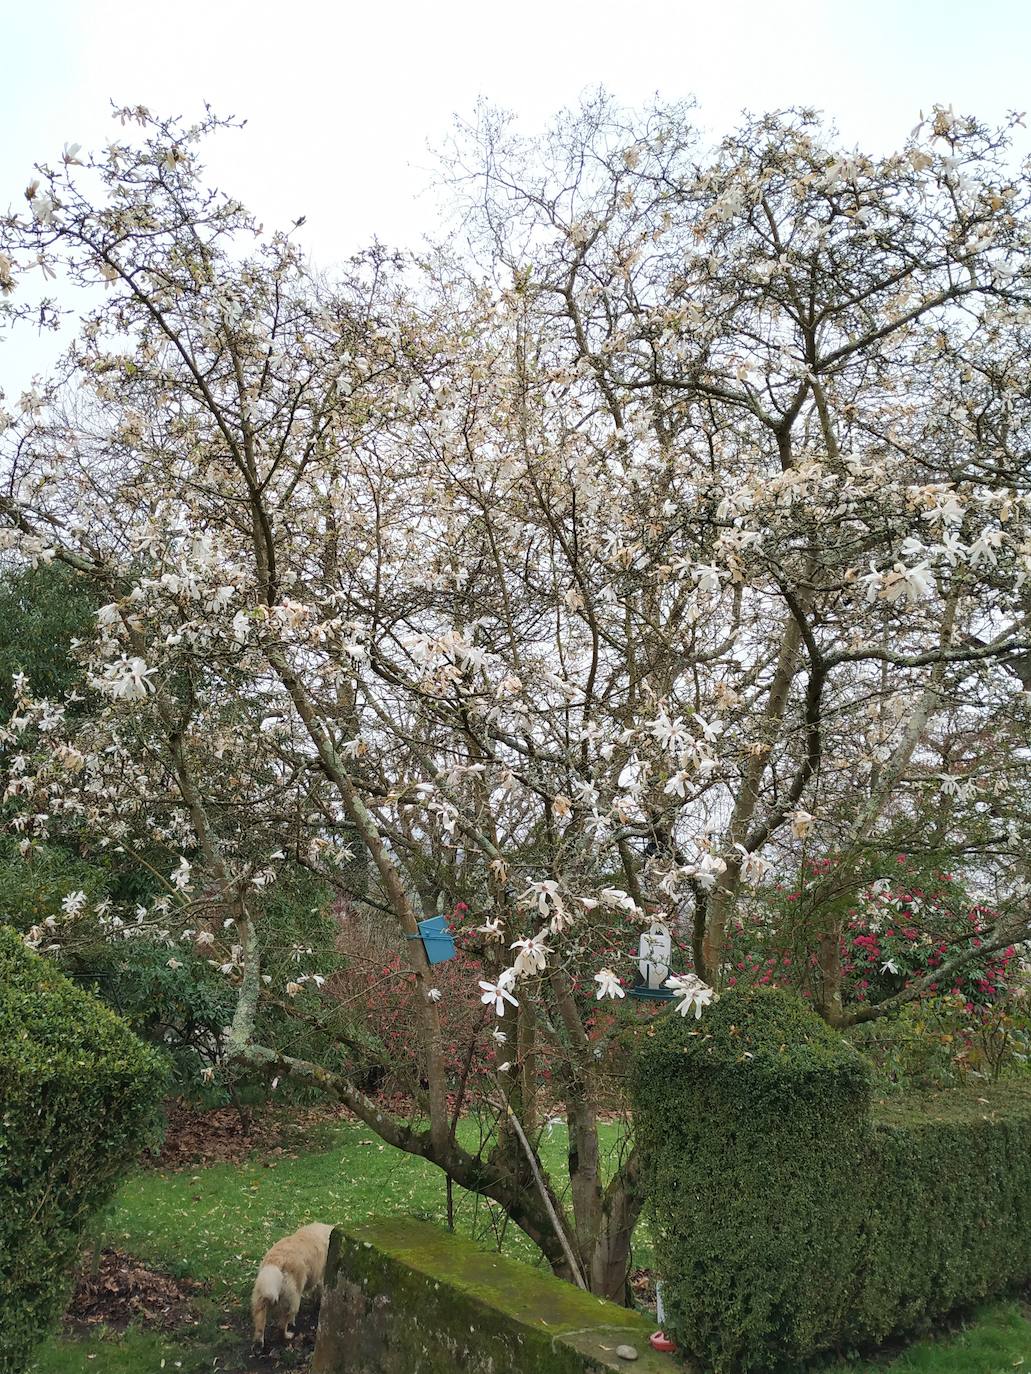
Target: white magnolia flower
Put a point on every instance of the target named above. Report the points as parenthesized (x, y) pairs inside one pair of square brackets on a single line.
[(752, 867), (617, 900), (676, 786), (73, 903), (174, 964), (543, 895), (499, 993), (874, 583), (706, 871), (499, 1036), (801, 823), (707, 577), (711, 730), (889, 966), (491, 928), (670, 734), (219, 599), (532, 957), (608, 985), (692, 992), (434, 994), (905, 584), (127, 680), (43, 207), (952, 548), (983, 548), (181, 876)]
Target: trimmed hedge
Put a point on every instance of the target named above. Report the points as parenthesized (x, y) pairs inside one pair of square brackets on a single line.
[(78, 1100), (793, 1215)]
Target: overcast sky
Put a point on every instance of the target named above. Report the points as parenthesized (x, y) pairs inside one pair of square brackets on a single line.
[(342, 98)]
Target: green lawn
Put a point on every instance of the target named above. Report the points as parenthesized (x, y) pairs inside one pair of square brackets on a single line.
[(214, 1224), (996, 1340)]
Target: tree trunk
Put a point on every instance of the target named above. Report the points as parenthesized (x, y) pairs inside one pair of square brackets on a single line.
[(830, 976), (722, 900), (604, 1217), (609, 1270)]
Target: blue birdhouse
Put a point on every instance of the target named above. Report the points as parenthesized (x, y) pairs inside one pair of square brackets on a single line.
[(437, 940)]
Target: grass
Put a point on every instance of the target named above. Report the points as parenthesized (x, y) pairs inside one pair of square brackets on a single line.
[(215, 1223), (131, 1353), (996, 1340)]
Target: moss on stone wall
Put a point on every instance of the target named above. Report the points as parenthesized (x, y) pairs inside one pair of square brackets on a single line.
[(403, 1296)]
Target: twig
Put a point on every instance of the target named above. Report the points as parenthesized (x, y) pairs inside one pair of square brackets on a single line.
[(567, 1249)]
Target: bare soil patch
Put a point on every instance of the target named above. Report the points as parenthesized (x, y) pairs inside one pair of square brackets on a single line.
[(198, 1138), (124, 1290)]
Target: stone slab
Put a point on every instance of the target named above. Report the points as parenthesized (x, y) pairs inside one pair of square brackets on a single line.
[(406, 1297)]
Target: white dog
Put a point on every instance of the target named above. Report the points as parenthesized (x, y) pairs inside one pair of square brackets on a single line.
[(294, 1266)]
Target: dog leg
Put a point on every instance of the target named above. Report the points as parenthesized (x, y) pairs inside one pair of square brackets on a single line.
[(260, 1318), (293, 1307)]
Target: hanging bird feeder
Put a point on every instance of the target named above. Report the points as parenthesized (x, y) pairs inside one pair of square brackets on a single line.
[(653, 952), (437, 939)]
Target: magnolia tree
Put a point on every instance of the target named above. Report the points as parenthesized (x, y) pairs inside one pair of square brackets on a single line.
[(667, 529)]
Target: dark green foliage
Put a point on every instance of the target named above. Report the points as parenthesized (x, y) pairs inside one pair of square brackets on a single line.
[(78, 1099), (750, 1122), (170, 997), (792, 1215), (32, 889), (948, 1182), (41, 611)]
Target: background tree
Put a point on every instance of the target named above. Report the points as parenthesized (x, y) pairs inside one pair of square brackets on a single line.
[(672, 531)]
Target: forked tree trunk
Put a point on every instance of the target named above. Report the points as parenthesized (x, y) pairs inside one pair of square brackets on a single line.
[(604, 1214), (608, 1273)]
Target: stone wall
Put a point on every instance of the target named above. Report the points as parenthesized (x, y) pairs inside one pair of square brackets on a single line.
[(404, 1297)]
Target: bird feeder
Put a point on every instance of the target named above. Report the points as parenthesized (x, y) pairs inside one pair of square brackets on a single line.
[(437, 940), (654, 952)]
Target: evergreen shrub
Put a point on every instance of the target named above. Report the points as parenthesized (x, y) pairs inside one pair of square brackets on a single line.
[(793, 1213), (79, 1098)]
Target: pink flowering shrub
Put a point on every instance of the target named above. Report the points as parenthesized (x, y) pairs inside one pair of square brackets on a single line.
[(904, 923), (380, 1020)]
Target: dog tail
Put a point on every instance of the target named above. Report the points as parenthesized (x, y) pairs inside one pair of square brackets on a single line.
[(268, 1285), (265, 1294)]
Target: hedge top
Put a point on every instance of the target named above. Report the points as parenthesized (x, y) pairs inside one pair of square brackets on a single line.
[(49, 1027), (757, 1034)]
